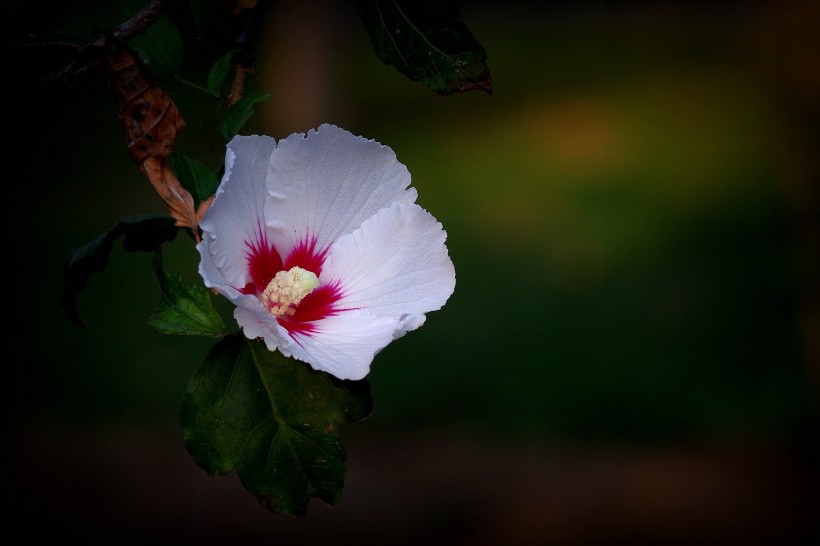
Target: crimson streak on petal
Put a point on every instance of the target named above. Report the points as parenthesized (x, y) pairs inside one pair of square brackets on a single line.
[(306, 256), (319, 304), (264, 263)]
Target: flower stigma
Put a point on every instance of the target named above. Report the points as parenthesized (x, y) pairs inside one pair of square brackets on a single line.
[(287, 289)]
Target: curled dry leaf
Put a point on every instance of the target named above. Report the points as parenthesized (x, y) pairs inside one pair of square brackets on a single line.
[(203, 207), (179, 200), (151, 121), (150, 118)]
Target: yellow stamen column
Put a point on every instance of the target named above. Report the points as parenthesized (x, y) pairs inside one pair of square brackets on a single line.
[(287, 289)]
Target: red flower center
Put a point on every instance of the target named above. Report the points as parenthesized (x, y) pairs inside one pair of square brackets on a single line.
[(264, 262)]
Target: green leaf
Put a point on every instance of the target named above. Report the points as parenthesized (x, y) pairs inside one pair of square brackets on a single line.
[(273, 420), (184, 309), (425, 41), (140, 233), (194, 176), (160, 48), (239, 114), (219, 72)]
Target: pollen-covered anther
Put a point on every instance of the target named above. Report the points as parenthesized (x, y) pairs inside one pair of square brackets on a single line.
[(287, 289)]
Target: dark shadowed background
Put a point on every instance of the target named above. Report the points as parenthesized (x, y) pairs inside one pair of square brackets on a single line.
[(632, 351)]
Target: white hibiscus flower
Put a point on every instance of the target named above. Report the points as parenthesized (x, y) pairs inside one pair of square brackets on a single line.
[(321, 247)]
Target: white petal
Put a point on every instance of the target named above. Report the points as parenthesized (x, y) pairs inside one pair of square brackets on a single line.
[(408, 323), (207, 268), (396, 265), (344, 345), (237, 213), (325, 184), (256, 322)]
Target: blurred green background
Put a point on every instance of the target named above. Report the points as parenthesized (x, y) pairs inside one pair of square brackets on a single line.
[(631, 351)]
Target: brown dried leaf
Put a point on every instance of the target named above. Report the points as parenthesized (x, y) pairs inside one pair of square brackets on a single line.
[(150, 118), (203, 208), (151, 121), (179, 201)]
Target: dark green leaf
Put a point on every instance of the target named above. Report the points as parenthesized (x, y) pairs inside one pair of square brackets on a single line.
[(140, 233), (239, 114), (160, 48), (273, 420), (185, 309), (194, 176), (426, 41), (219, 72)]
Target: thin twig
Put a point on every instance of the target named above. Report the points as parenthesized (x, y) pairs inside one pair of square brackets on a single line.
[(244, 57), (89, 55), (141, 21)]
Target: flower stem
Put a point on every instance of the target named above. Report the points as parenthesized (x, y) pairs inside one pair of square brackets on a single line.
[(192, 84)]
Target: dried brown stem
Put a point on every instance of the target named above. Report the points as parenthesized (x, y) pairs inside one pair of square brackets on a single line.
[(238, 84)]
